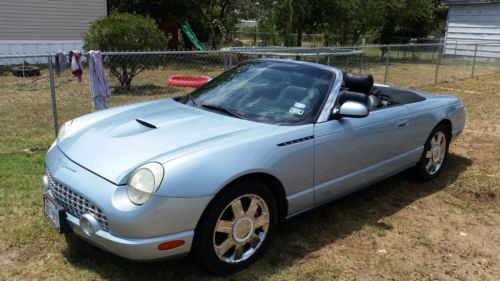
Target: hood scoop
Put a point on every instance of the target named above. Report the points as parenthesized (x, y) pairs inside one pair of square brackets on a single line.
[(147, 124)]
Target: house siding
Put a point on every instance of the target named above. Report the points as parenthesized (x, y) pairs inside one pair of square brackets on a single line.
[(473, 23), (48, 19)]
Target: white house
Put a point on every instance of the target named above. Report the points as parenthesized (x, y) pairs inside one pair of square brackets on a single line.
[(42, 26), (473, 21)]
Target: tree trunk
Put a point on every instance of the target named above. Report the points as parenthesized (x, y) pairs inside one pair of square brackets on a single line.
[(299, 36), (125, 79)]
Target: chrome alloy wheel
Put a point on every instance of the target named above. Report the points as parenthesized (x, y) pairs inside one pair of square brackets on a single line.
[(434, 157), (241, 228)]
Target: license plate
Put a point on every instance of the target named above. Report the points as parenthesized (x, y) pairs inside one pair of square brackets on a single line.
[(54, 214)]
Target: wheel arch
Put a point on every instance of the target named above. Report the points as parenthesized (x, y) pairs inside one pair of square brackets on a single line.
[(447, 123), (269, 180)]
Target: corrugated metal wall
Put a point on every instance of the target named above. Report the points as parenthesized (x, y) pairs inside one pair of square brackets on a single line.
[(473, 23), (48, 19)]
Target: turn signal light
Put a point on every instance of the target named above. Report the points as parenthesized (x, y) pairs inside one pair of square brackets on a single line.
[(170, 245)]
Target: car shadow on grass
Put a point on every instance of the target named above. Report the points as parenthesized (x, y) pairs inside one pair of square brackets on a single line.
[(295, 239), (148, 89)]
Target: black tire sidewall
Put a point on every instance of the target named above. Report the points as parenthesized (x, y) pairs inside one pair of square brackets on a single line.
[(421, 171), (204, 253)]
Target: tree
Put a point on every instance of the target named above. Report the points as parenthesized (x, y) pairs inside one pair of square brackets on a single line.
[(348, 18), (125, 32), (210, 19), (406, 19), (221, 16)]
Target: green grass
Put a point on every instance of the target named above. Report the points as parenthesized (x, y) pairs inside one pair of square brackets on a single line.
[(417, 224)]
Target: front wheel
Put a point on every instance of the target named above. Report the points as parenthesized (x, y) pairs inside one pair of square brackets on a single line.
[(435, 154), (236, 228)]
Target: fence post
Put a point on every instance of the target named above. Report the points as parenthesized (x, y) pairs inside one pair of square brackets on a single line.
[(255, 36), (455, 53), (474, 62), (387, 63), (53, 94), (440, 51), (226, 62), (360, 62)]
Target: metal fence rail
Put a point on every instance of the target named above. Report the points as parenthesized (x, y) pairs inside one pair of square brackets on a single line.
[(136, 76)]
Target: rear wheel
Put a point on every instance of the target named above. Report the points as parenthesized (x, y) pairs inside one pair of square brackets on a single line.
[(236, 228), (435, 154)]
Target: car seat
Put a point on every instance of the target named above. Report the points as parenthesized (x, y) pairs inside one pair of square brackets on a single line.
[(362, 83)]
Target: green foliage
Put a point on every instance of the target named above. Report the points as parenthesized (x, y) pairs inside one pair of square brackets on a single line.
[(341, 21), (347, 18), (122, 31), (125, 32), (350, 19)]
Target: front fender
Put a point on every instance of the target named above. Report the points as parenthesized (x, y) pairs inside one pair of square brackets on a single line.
[(204, 173)]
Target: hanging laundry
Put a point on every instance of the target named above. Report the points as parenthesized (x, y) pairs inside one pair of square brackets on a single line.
[(76, 64), (60, 62), (99, 87)]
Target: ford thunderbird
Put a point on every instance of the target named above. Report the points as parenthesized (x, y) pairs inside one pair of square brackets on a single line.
[(214, 172)]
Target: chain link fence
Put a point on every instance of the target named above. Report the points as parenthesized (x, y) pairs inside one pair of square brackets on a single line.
[(252, 37), (49, 99)]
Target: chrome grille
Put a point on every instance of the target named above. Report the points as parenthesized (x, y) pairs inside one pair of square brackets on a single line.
[(74, 203)]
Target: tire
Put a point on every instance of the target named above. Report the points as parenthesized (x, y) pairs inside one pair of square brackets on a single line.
[(241, 238), (433, 159), (26, 71)]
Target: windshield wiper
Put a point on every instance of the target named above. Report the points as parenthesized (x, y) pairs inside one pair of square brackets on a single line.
[(190, 97), (222, 110)]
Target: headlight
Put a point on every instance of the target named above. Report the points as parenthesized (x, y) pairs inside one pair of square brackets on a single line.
[(64, 129), (144, 182)]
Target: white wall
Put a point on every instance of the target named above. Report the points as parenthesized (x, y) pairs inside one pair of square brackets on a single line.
[(35, 47), (473, 23)]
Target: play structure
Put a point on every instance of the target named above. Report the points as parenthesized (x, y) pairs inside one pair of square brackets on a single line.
[(174, 29), (187, 81), (186, 29)]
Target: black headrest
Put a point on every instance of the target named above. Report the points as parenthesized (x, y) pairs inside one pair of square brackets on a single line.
[(302, 80), (352, 96), (293, 93), (273, 75), (362, 83)]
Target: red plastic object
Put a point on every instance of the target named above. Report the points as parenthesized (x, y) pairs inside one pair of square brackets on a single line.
[(187, 81)]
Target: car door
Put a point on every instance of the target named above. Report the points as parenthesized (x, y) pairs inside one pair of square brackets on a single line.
[(353, 152)]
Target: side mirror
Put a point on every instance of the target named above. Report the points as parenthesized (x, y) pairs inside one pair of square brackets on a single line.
[(353, 109)]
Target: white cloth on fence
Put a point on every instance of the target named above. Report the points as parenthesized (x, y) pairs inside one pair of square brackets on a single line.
[(76, 64), (60, 62), (99, 87)]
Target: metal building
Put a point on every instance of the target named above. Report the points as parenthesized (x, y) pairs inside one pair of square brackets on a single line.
[(473, 21), (41, 26)]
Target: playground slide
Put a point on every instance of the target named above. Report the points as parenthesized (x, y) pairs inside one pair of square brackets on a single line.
[(192, 37)]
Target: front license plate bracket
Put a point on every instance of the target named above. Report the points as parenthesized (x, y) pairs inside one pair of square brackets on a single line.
[(55, 214)]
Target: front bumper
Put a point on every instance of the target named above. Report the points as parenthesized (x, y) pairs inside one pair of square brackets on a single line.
[(132, 232), (135, 249)]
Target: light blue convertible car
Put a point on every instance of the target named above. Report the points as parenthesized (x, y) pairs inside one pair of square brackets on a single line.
[(213, 173)]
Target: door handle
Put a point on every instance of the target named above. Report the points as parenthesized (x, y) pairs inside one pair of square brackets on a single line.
[(402, 124)]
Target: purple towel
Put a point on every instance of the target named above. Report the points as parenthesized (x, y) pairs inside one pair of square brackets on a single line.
[(99, 88)]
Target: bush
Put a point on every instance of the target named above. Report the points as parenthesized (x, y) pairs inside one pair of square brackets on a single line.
[(125, 32)]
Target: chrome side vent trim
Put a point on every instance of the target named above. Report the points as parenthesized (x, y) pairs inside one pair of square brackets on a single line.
[(295, 141)]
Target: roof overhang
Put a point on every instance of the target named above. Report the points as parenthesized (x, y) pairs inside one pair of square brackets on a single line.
[(466, 2)]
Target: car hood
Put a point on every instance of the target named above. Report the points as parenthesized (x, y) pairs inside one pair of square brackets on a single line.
[(120, 142)]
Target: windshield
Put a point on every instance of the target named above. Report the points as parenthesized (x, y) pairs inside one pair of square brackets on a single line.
[(268, 92)]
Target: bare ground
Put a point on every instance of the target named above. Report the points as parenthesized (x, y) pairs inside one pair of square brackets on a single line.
[(399, 229)]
